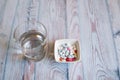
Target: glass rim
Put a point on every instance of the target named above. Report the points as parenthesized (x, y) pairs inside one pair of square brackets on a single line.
[(19, 25)]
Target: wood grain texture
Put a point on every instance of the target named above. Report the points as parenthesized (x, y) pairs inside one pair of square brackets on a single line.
[(97, 48), (92, 22), (2, 9), (114, 15), (52, 15), (23, 69), (5, 30), (73, 32), (15, 63)]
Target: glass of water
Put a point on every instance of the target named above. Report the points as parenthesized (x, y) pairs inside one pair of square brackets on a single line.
[(31, 37)]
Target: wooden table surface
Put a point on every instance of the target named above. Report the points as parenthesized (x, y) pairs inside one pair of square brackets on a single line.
[(95, 23)]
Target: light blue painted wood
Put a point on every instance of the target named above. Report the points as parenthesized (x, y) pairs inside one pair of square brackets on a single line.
[(5, 28), (88, 21), (14, 66), (73, 32), (97, 47), (2, 9), (114, 17)]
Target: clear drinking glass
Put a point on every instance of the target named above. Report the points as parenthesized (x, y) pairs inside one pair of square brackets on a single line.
[(31, 37)]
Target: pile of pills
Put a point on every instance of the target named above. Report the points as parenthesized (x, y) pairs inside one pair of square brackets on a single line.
[(67, 52)]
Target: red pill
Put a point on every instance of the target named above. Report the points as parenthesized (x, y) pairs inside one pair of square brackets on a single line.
[(70, 59)]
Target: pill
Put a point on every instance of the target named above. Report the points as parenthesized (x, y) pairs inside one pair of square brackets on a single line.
[(67, 52), (70, 59)]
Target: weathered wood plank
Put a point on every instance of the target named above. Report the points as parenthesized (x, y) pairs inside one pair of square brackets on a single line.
[(114, 15), (73, 31), (20, 68), (5, 29), (2, 9), (24, 69), (52, 15), (97, 47), (85, 20)]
